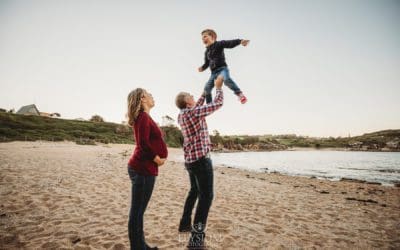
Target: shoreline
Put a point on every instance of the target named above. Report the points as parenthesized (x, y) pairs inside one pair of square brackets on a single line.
[(225, 150), (343, 179), (306, 149), (314, 176)]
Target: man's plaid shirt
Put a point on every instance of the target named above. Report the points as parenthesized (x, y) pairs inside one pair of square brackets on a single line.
[(196, 141)]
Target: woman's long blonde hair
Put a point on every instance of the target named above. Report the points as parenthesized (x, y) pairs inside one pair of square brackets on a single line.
[(134, 105)]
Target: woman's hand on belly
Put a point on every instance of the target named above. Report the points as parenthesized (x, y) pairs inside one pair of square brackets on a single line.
[(159, 161)]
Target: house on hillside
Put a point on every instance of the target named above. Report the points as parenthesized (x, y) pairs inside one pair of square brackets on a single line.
[(33, 110), (167, 121), (394, 144), (28, 110)]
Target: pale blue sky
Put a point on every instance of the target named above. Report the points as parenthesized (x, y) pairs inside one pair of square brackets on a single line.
[(318, 68)]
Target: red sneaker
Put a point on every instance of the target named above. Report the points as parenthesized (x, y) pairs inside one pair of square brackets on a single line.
[(242, 98)]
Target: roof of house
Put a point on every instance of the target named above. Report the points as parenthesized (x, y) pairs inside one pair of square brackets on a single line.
[(28, 109)]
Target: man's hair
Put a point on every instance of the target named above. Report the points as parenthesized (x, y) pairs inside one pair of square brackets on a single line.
[(210, 32), (180, 100)]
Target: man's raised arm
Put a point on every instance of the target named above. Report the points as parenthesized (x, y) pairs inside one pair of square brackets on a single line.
[(204, 110)]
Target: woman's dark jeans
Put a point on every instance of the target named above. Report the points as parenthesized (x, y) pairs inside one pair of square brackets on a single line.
[(142, 188), (201, 187)]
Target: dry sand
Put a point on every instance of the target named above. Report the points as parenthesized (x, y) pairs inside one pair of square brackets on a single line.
[(68, 196)]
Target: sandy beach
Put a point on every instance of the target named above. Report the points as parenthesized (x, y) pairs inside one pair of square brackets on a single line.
[(68, 196)]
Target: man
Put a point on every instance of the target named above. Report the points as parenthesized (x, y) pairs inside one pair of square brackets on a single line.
[(197, 147)]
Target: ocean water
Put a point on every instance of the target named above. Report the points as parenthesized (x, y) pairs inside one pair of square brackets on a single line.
[(382, 167)]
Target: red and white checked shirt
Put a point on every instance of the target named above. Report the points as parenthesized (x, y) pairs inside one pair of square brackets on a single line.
[(196, 140)]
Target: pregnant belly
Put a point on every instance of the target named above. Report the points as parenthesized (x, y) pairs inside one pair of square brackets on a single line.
[(161, 149)]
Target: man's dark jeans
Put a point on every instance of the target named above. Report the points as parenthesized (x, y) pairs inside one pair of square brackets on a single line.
[(201, 187), (142, 188)]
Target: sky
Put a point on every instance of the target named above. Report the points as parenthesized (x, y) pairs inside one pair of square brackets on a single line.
[(314, 68)]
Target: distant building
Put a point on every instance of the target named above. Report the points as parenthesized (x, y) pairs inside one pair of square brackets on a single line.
[(33, 110), (356, 144), (28, 110), (51, 115), (393, 144), (45, 114), (167, 121)]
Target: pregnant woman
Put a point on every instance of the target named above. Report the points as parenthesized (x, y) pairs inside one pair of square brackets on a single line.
[(149, 154)]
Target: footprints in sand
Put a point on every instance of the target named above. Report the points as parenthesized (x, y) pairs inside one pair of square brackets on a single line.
[(272, 229), (88, 207)]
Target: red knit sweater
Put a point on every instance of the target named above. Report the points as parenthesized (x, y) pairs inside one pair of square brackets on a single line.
[(149, 143)]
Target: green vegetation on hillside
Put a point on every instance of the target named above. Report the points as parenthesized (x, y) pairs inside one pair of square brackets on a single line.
[(31, 128), (15, 127), (388, 140), (20, 127)]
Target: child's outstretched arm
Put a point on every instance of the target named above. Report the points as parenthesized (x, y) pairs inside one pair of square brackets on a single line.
[(205, 65), (229, 44)]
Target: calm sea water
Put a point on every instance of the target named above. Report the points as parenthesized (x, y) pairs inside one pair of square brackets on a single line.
[(383, 167)]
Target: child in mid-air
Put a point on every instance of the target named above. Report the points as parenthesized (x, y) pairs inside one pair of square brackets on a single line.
[(215, 59)]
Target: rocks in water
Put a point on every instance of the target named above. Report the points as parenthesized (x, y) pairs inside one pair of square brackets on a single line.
[(388, 170)]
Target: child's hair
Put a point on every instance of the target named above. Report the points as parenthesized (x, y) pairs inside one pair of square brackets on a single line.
[(180, 100), (134, 105), (210, 32)]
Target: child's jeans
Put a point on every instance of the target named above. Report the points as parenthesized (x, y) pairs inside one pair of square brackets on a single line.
[(224, 71)]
